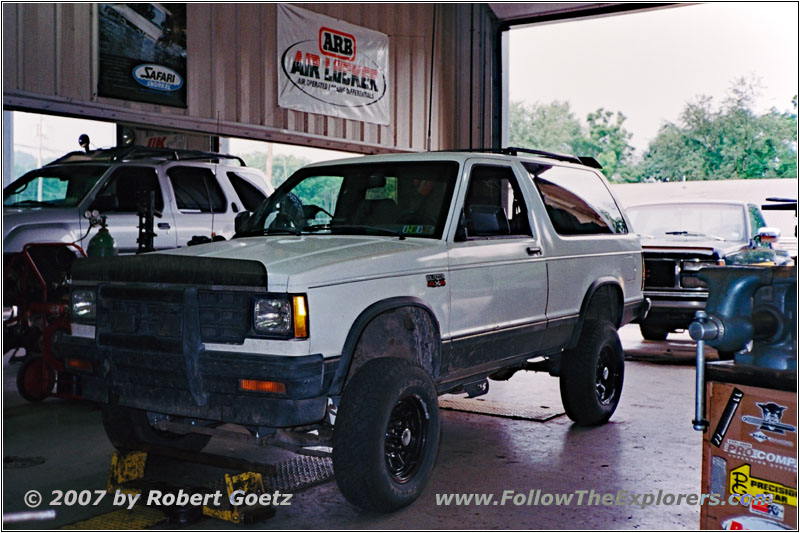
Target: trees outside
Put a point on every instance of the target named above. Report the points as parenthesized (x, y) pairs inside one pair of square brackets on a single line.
[(23, 162), (283, 165), (555, 128), (707, 142)]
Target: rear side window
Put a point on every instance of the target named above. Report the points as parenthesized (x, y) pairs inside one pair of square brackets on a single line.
[(196, 190), (127, 182), (577, 201), (250, 196)]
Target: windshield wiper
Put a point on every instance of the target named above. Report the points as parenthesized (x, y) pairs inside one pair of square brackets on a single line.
[(31, 203), (351, 227), (693, 234)]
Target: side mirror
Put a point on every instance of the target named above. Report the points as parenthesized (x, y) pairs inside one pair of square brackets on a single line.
[(104, 202), (768, 235), (461, 229), (240, 220)]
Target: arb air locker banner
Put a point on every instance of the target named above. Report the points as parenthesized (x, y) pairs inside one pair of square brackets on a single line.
[(143, 52), (332, 68)]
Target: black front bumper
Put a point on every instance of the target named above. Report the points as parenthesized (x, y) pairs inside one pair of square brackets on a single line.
[(208, 389)]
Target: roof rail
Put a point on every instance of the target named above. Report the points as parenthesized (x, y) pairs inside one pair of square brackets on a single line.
[(143, 152), (581, 160), (587, 161)]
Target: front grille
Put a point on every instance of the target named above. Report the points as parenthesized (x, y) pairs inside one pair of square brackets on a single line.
[(153, 318), (660, 272), (224, 316), (145, 319)]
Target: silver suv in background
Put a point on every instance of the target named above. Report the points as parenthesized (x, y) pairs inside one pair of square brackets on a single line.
[(196, 193)]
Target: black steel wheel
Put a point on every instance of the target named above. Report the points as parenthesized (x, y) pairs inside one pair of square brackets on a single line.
[(607, 376), (592, 374), (386, 435), (406, 437)]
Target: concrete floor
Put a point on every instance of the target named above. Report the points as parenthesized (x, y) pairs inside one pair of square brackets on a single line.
[(648, 446)]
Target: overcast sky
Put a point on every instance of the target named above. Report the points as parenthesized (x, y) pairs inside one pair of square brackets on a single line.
[(648, 65)]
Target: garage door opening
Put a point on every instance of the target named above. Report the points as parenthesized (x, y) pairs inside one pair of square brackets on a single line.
[(277, 161), (31, 140), (694, 92)]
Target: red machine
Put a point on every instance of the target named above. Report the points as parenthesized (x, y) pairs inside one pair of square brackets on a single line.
[(36, 291)]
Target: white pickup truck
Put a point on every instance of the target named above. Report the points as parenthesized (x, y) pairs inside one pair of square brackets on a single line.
[(355, 295)]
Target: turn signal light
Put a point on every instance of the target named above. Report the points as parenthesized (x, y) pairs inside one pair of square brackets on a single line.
[(80, 364), (300, 317), (255, 385)]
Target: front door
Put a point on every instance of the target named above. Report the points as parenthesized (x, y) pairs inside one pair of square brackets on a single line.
[(498, 274)]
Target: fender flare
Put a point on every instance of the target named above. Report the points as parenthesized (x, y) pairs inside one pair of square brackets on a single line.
[(598, 284), (361, 323)]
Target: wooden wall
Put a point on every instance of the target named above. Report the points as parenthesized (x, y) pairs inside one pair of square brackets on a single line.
[(50, 58)]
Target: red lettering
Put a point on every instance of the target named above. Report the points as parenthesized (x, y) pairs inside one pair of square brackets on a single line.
[(157, 142), (312, 59)]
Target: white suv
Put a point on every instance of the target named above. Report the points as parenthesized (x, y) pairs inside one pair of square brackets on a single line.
[(355, 295), (196, 193)]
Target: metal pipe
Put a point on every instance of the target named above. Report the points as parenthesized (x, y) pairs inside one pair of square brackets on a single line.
[(700, 423), (701, 330)]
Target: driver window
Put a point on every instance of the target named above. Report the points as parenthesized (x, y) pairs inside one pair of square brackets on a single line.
[(494, 206)]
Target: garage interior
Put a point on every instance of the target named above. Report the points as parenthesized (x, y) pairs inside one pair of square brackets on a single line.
[(447, 92)]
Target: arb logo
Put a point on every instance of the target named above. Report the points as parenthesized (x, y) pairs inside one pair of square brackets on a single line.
[(337, 44)]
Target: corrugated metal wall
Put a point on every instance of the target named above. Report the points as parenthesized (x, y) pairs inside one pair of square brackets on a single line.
[(49, 65)]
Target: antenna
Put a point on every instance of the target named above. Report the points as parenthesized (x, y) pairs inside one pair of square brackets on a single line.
[(210, 204)]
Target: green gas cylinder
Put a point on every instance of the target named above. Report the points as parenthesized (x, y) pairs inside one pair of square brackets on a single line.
[(102, 244)]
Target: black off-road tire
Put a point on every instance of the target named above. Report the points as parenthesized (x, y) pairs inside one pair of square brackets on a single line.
[(386, 435), (128, 429), (592, 374), (653, 333)]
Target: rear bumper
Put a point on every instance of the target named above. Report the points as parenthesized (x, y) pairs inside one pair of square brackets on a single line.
[(635, 311), (167, 383)]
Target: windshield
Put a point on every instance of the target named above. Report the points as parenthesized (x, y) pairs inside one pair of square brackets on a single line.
[(682, 221), (63, 186), (402, 199)]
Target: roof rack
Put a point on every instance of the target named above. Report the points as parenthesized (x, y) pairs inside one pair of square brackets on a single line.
[(513, 150), (581, 160), (142, 152)]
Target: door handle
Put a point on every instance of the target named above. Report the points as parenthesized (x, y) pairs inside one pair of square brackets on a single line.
[(534, 250), (163, 225)]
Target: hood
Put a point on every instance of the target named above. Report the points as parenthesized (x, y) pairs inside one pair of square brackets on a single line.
[(38, 224), (297, 263), (691, 246)]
